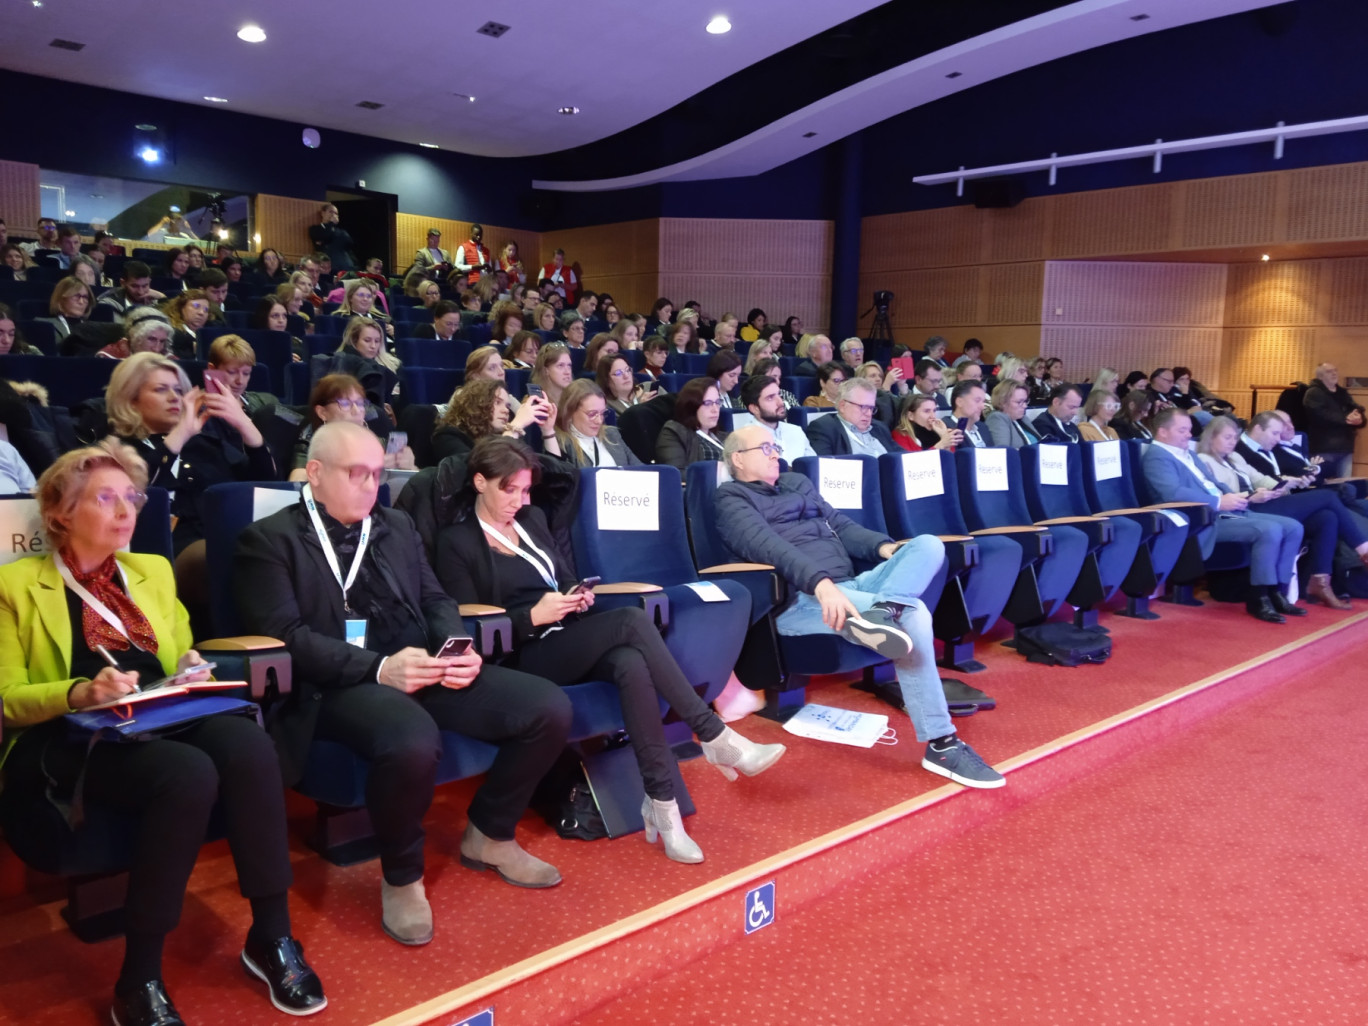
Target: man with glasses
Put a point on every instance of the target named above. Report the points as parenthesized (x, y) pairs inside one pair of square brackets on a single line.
[(853, 430), (782, 520), (929, 379), (852, 352), (344, 583), (762, 399), (47, 239)]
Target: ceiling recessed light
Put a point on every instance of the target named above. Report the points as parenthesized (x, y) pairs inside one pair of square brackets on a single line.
[(429, 146), (37, 3), (464, 96), (568, 110), (808, 135), (492, 29), (719, 25), (954, 74), (150, 154), (216, 99), (1139, 17), (252, 34), (144, 127), (1264, 257)]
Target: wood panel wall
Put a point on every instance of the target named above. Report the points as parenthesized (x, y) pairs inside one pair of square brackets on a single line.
[(410, 235), (731, 266), (621, 258), (283, 224), (19, 198)]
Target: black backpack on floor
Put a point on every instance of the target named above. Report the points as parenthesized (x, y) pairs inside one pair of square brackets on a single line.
[(1062, 644)]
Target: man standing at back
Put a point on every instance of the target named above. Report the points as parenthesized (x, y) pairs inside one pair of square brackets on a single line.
[(344, 583), (472, 256), (331, 239), (782, 520), (1332, 421)]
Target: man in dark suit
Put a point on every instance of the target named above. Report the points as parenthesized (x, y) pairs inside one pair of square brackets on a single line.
[(1258, 446), (929, 379), (344, 583), (331, 239), (853, 430), (1056, 423), (446, 322)]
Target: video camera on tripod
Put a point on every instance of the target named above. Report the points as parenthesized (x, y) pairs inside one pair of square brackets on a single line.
[(880, 326)]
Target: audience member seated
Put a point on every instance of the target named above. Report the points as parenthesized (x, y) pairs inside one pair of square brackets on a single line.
[(334, 397), (428, 293), (853, 429), (146, 330), (87, 270), (1098, 411), (929, 379), (445, 326), (188, 313), (432, 261), (1135, 380), (572, 329), (781, 519), (1107, 380), (768, 344), (485, 363), (601, 345), (967, 400), (1324, 518), (269, 270), (47, 237), (1261, 447), (1039, 384), (581, 437), (830, 377), (756, 323), (655, 352), (765, 402), (479, 409), (920, 427), (1189, 394), (770, 368), (724, 332), (359, 301), (724, 367), (813, 352), (972, 353), (1160, 389), (500, 552), (662, 316), (1056, 424), (1011, 368), (1175, 475), (1132, 421), (14, 263), (69, 305), (851, 353), (10, 339), (692, 435), (68, 249), (175, 269), (96, 597), (338, 556), (270, 314), (1007, 425), (793, 331), (681, 337), (553, 371), (521, 353), (232, 358), (617, 381), (544, 317), (505, 321), (214, 284), (364, 355), (936, 346), (1333, 419)]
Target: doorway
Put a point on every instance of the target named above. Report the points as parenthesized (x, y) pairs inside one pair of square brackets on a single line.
[(368, 217)]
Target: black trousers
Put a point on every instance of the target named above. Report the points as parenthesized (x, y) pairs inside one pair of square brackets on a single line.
[(171, 785), (527, 717), (623, 646)]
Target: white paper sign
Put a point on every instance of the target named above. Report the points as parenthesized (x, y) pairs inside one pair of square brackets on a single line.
[(991, 470), (22, 530), (816, 414), (1175, 516), (922, 474), (1054, 464), (741, 419), (628, 500), (841, 482), (708, 591), (1106, 460), (266, 501)]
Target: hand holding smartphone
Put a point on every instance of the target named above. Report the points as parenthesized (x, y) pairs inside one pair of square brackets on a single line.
[(586, 584), (455, 646)]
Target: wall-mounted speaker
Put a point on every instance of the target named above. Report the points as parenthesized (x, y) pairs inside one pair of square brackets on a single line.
[(996, 192)]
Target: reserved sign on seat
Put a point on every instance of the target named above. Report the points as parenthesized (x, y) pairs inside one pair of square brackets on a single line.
[(628, 500)]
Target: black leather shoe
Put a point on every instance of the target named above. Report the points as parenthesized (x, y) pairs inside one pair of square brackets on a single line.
[(1261, 608), (147, 1005), (295, 988), (1281, 605)]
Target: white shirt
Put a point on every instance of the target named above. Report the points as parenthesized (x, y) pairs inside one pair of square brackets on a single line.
[(792, 439), (1184, 457), (595, 450)]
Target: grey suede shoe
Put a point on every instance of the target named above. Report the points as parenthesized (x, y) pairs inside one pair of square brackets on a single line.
[(406, 914), (508, 859)]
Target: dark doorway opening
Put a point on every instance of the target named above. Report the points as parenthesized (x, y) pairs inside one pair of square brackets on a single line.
[(369, 218)]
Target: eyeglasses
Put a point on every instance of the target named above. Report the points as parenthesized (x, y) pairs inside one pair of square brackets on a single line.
[(358, 473), (593, 414), (349, 404), (711, 402), (768, 448), (108, 498), (860, 406)]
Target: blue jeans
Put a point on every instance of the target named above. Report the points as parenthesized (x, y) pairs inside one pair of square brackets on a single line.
[(901, 579)]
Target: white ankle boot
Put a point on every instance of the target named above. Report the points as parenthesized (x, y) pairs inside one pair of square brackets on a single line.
[(729, 752), (663, 818)]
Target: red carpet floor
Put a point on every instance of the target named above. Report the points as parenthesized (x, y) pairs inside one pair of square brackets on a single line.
[(1215, 878), (484, 925)]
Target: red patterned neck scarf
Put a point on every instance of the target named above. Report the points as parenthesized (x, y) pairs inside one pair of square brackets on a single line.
[(100, 582)]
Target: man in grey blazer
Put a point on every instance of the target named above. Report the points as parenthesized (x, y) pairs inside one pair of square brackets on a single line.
[(853, 430), (1176, 476)]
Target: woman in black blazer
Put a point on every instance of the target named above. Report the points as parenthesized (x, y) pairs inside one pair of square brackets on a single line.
[(692, 435), (502, 553)]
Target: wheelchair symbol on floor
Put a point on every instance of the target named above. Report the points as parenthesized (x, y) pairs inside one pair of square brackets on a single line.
[(759, 911), (483, 1018)]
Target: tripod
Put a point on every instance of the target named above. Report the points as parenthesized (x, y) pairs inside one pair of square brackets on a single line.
[(879, 327)]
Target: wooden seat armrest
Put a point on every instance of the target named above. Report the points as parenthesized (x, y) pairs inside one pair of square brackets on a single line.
[(479, 609), (955, 537), (1010, 529), (626, 588), (243, 643), (1344, 480), (1125, 512), (1069, 520), (1179, 505), (733, 568)]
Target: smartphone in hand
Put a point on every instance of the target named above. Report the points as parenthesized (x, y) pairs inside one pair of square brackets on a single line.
[(455, 646), (587, 584)]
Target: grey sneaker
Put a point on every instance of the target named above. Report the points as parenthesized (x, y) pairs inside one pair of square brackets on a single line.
[(877, 629), (963, 765)]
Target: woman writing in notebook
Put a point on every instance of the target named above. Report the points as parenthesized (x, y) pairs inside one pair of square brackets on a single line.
[(502, 551), (80, 627)]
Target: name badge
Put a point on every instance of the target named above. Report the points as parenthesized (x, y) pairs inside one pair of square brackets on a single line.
[(356, 633)]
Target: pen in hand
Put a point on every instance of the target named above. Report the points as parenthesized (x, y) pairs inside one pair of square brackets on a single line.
[(104, 654)]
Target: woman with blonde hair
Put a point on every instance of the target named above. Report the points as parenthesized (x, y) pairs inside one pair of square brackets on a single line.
[(1107, 380), (69, 305), (364, 337), (553, 371), (1098, 410), (627, 333), (581, 436), (769, 343), (359, 301), (544, 317)]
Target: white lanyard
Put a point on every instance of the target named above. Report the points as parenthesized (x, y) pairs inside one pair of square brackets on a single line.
[(101, 610), (708, 438), (544, 565), (328, 552)]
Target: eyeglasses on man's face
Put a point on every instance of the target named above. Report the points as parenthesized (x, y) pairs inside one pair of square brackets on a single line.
[(860, 406), (359, 474), (771, 449)]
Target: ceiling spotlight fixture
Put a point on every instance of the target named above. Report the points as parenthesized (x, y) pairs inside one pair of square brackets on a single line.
[(370, 105), (216, 99), (954, 74), (1264, 257), (37, 3), (464, 96), (719, 25), (145, 127), (1139, 17), (492, 29), (67, 44), (71, 213), (252, 34), (808, 135), (567, 111), (429, 146), (150, 155)]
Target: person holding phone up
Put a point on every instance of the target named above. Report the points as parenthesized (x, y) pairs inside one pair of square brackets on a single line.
[(501, 552)]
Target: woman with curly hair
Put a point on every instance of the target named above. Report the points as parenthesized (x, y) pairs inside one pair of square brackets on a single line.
[(188, 312), (479, 409)]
